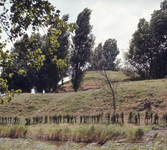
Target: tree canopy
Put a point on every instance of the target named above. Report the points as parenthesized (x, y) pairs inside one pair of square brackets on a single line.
[(83, 42), (147, 51), (15, 21), (104, 56)]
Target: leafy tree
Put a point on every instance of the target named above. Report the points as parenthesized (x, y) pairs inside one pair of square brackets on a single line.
[(139, 50), (106, 55), (52, 71), (19, 81), (97, 55), (81, 48), (23, 15), (48, 76), (102, 63), (110, 53), (147, 51)]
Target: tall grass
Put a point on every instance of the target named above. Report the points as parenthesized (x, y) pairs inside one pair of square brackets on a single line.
[(80, 133), (13, 131)]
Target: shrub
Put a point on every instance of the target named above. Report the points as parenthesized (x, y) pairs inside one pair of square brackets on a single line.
[(156, 118), (155, 135), (117, 116), (140, 107), (113, 118), (163, 105), (122, 116), (31, 107), (146, 115), (139, 133), (165, 116), (138, 117), (155, 127), (130, 117)]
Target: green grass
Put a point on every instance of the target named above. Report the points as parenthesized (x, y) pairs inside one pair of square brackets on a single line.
[(130, 95), (79, 133)]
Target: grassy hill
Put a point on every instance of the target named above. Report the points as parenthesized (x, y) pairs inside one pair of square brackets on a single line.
[(91, 98)]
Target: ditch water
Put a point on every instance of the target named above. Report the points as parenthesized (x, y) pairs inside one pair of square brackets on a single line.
[(30, 144)]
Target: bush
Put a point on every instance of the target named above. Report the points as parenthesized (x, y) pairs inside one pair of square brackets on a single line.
[(130, 117), (139, 133), (122, 116), (31, 107), (140, 106), (129, 72), (165, 116), (156, 118), (155, 128), (163, 105)]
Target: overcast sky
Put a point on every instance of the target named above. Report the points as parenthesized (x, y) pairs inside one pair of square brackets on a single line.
[(116, 19)]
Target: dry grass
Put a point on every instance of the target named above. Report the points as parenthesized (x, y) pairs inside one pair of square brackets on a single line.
[(79, 133)]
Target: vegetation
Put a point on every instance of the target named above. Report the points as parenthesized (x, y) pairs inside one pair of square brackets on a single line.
[(104, 56), (147, 52), (104, 59), (45, 116), (85, 116), (83, 133), (15, 21), (81, 48), (130, 95)]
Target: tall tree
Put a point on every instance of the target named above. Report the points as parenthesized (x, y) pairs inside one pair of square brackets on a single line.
[(110, 52), (83, 42), (23, 15), (54, 72), (147, 51), (48, 76), (107, 52), (97, 54), (19, 81), (139, 50), (102, 63)]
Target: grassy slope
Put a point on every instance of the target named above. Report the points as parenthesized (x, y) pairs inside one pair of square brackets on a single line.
[(130, 94)]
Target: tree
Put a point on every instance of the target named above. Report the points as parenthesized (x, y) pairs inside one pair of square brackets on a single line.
[(102, 67), (81, 49), (54, 72), (48, 76), (23, 15), (139, 50), (110, 53), (97, 55), (147, 51), (19, 81)]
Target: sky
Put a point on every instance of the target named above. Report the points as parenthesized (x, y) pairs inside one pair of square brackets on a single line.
[(115, 19)]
